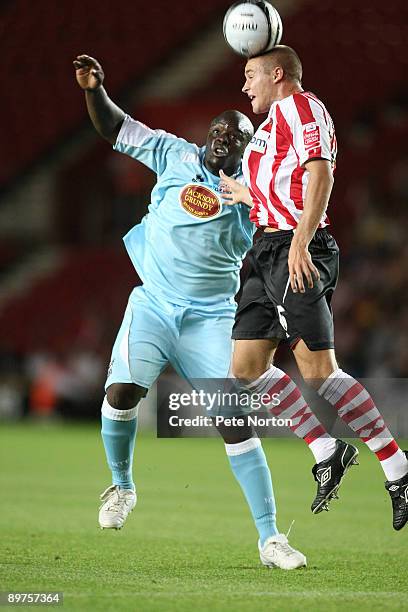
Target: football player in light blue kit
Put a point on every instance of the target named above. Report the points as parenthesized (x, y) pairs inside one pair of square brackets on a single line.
[(188, 252)]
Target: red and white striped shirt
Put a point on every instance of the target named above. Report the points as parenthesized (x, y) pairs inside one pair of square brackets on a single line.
[(298, 128)]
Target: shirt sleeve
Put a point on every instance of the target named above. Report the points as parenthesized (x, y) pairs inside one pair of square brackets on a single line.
[(311, 128), (150, 147)]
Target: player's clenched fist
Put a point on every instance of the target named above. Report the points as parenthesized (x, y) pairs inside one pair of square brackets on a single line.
[(89, 73)]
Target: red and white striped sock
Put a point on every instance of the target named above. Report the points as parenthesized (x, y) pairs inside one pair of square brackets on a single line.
[(355, 407), (292, 405)]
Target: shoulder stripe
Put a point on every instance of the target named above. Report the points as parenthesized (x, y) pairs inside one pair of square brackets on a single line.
[(320, 104), (304, 109)]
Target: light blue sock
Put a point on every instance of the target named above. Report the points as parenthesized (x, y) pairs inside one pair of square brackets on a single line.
[(248, 463), (119, 434)]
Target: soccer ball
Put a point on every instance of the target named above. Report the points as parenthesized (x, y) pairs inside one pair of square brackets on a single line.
[(252, 28)]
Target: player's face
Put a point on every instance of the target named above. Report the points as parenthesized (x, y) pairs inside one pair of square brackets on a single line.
[(259, 86), (226, 142)]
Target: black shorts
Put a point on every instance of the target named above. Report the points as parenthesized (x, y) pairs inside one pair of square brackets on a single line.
[(268, 308)]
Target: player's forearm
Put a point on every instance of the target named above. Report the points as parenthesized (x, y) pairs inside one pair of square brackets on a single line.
[(105, 115), (315, 205)]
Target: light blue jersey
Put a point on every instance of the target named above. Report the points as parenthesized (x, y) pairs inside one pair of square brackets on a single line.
[(189, 247), (188, 251)]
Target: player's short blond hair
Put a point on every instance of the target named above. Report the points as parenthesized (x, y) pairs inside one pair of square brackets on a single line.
[(285, 58)]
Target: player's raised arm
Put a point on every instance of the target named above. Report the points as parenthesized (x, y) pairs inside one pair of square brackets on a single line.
[(106, 116)]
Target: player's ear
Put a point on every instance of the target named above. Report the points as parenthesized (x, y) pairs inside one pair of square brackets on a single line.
[(277, 74)]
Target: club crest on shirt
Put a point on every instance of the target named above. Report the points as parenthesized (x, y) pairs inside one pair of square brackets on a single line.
[(311, 135), (200, 202)]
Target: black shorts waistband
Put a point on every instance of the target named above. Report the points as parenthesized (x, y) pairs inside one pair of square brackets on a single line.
[(289, 233)]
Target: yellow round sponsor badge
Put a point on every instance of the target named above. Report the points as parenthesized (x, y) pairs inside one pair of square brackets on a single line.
[(200, 202)]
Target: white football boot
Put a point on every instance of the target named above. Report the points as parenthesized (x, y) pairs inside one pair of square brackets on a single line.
[(276, 552), (116, 504)]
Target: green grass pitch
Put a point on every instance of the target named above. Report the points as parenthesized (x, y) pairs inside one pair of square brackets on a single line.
[(190, 544)]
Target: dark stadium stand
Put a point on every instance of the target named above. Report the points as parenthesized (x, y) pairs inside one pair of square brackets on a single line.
[(87, 281), (40, 103), (9, 254)]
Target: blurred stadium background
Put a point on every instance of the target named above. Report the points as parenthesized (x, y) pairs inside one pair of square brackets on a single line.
[(66, 198)]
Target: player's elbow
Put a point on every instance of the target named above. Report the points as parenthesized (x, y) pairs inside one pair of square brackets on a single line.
[(320, 169), (110, 134)]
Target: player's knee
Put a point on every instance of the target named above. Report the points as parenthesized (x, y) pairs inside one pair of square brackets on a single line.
[(315, 375), (124, 396), (250, 370), (315, 366)]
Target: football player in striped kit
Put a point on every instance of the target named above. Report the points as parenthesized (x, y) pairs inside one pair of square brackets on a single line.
[(289, 166), (188, 251)]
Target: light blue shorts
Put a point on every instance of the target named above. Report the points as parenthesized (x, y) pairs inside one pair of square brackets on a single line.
[(195, 340)]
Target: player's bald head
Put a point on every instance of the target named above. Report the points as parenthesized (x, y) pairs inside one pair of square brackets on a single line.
[(238, 119), (283, 57)]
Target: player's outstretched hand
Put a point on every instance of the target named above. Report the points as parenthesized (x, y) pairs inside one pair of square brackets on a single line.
[(301, 265), (233, 192), (89, 73)]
